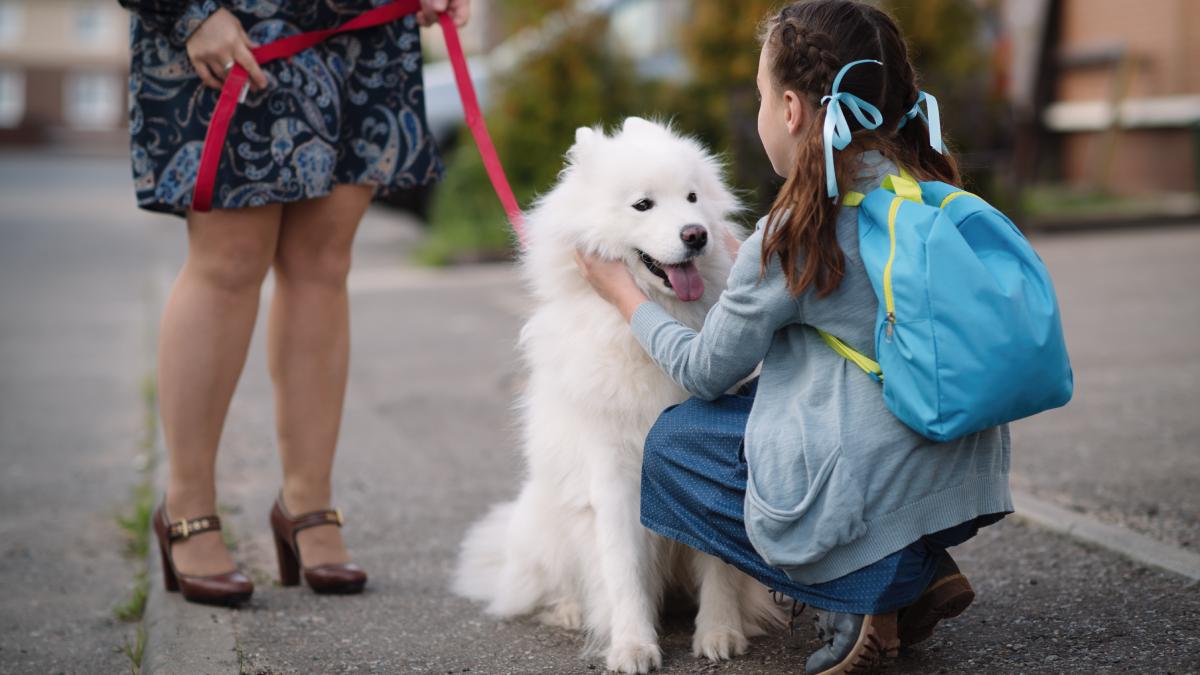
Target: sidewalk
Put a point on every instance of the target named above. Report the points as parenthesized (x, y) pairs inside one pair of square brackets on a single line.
[(428, 444)]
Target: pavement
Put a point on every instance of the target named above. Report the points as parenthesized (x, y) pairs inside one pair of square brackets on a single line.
[(76, 329), (428, 443)]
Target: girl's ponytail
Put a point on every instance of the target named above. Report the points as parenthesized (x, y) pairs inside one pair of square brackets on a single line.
[(799, 217)]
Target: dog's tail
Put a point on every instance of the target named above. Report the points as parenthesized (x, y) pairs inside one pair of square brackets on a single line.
[(491, 568), (482, 556)]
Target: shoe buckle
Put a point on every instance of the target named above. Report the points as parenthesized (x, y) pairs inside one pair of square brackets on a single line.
[(184, 530), (337, 514)]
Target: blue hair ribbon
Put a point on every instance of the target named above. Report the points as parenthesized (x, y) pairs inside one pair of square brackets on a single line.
[(837, 128), (933, 120)]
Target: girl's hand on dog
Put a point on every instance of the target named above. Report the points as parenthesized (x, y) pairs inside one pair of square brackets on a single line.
[(612, 281)]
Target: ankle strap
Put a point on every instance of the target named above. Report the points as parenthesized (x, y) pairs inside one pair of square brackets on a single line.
[(183, 529), (315, 518)]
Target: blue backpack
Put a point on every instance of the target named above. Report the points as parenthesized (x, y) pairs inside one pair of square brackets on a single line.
[(968, 333)]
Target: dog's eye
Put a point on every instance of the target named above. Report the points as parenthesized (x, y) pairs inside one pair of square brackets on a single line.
[(692, 197), (644, 204)]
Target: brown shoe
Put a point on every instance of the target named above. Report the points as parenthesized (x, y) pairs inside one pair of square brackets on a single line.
[(947, 596), (227, 588), (331, 578)]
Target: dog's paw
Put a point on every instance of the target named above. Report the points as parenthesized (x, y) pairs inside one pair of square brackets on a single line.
[(634, 657), (718, 643), (567, 614)]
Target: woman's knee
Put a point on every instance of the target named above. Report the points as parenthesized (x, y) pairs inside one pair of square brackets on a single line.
[(317, 238), (231, 255), (323, 264)]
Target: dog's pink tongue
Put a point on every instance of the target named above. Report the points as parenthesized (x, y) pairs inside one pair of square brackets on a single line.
[(686, 281)]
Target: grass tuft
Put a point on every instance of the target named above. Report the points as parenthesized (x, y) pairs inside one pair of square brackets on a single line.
[(135, 651), (136, 523), (132, 608), (135, 520)]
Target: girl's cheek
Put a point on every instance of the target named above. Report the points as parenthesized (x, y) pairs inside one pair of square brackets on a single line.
[(765, 135), (763, 132)]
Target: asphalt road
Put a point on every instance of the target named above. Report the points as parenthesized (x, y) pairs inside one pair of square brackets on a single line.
[(428, 444), (1126, 450), (76, 320)]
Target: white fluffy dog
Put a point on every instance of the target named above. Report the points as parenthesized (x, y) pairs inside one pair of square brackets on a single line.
[(570, 547)]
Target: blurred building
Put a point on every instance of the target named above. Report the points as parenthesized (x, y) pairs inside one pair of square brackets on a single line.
[(1119, 101), (63, 72)]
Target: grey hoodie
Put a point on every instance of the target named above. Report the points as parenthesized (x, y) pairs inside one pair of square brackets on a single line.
[(836, 482)]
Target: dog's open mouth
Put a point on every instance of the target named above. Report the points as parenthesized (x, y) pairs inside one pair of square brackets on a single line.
[(683, 278)]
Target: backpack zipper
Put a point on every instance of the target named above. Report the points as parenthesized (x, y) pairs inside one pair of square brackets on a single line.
[(889, 302)]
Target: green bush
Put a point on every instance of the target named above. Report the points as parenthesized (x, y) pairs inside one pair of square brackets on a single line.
[(581, 81)]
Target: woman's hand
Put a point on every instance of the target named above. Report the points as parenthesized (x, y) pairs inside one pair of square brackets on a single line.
[(217, 44), (459, 10), (612, 281)]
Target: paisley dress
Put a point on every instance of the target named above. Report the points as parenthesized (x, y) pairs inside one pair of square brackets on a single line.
[(347, 111)]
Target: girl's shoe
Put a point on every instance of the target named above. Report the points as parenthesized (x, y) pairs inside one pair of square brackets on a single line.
[(228, 588), (854, 643), (331, 578), (947, 596)]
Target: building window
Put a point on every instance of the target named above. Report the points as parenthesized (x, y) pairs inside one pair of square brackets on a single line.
[(12, 98), (91, 23), (91, 100), (10, 21)]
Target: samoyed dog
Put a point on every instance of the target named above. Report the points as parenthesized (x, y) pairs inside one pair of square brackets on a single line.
[(570, 548)]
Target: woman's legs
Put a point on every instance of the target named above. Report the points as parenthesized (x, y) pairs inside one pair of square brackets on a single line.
[(309, 353), (203, 338)]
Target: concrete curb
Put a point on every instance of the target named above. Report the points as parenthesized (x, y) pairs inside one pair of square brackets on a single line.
[(181, 637), (1133, 545)]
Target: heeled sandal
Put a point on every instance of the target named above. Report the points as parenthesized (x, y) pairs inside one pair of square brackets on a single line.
[(227, 588), (329, 578)]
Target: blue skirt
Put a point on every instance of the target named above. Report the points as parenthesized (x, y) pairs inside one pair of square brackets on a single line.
[(693, 489)]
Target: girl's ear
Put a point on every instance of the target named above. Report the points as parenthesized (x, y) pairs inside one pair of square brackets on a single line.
[(795, 113)]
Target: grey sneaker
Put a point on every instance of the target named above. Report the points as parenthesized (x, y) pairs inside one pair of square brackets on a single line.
[(854, 643)]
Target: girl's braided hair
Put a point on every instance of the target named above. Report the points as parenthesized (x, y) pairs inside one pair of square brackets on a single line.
[(807, 44)]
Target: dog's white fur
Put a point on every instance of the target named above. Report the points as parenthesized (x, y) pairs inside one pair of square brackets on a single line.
[(571, 548)]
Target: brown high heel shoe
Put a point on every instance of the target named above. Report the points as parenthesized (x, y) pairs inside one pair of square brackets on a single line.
[(331, 578), (227, 588)]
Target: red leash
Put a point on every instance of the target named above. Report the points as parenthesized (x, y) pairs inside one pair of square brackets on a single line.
[(237, 79)]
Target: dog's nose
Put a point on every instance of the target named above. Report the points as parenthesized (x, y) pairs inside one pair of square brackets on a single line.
[(694, 236)]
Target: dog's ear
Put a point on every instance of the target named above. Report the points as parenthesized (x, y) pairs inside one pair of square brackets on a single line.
[(635, 123), (585, 139), (584, 136)]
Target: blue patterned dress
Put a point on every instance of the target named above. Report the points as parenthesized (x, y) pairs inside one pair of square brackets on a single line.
[(348, 111)]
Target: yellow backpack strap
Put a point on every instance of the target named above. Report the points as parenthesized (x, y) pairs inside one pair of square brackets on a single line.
[(869, 366), (904, 187), (955, 195), (852, 198)]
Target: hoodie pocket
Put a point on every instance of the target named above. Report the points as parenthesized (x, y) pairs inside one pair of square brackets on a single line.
[(799, 529)]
